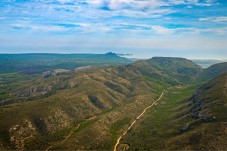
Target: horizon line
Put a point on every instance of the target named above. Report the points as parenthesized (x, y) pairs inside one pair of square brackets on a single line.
[(119, 54)]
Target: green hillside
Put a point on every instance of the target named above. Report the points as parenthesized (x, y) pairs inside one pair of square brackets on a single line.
[(88, 108), (170, 70), (184, 120), (180, 69)]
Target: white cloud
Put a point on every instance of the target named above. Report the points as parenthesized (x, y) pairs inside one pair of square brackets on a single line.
[(162, 30), (126, 28), (41, 28), (140, 4), (219, 19)]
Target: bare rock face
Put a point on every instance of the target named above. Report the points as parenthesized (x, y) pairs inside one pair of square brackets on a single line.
[(55, 72), (123, 147), (57, 120), (82, 68), (21, 134), (35, 91)]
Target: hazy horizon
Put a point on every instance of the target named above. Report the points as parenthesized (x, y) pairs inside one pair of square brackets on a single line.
[(126, 55)]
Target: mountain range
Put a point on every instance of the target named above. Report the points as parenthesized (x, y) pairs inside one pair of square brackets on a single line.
[(90, 106)]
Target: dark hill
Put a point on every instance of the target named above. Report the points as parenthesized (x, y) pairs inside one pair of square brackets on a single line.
[(111, 54), (206, 117), (213, 71)]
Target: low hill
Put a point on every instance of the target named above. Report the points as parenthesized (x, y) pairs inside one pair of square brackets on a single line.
[(213, 71), (179, 69)]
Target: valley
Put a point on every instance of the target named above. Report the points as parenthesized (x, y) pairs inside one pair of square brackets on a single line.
[(149, 104), (137, 118), (177, 124), (160, 123)]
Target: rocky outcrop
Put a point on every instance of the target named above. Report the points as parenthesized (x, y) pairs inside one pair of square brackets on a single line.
[(35, 91), (184, 128), (22, 133), (82, 68), (56, 120), (123, 147), (55, 72)]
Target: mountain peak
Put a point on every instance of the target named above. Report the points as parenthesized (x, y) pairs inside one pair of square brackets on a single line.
[(111, 54)]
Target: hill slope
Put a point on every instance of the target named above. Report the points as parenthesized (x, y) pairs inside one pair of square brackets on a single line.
[(111, 95), (180, 70), (79, 105), (213, 71), (169, 70), (181, 122), (207, 117)]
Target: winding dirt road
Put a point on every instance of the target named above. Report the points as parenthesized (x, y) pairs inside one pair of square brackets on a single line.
[(70, 134), (138, 117)]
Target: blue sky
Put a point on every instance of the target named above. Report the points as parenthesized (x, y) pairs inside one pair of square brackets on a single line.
[(146, 28)]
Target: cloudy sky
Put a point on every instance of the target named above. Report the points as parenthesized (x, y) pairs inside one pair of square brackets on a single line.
[(145, 28)]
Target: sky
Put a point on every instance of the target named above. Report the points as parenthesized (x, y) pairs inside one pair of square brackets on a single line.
[(194, 29)]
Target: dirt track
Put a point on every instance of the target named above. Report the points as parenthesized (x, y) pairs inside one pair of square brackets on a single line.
[(138, 117)]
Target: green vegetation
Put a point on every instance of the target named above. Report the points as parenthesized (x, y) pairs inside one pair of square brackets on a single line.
[(118, 126), (159, 124), (180, 69), (182, 122), (48, 107), (9, 82)]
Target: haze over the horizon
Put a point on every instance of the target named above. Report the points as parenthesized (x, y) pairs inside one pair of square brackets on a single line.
[(145, 28)]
